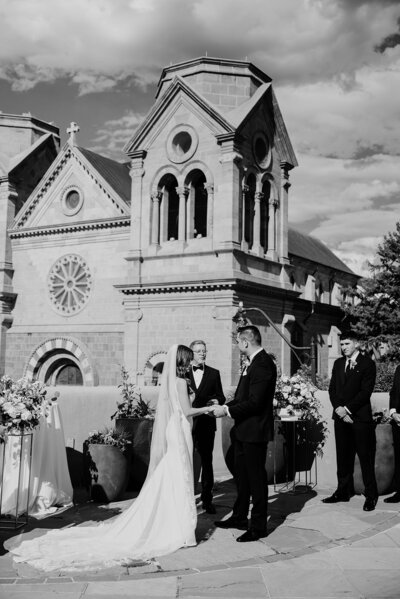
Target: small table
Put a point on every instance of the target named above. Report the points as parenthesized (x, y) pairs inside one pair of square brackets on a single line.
[(299, 470)]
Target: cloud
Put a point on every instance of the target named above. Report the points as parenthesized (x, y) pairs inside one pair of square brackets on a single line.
[(134, 39), (112, 137)]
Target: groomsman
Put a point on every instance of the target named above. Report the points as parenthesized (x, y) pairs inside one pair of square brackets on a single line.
[(252, 411), (394, 408), (350, 389), (206, 385)]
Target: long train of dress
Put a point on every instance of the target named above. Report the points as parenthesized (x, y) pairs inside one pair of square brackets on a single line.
[(161, 519)]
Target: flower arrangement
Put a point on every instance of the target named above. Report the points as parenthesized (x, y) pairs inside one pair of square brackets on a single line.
[(132, 404), (297, 396), (109, 436), (22, 403)]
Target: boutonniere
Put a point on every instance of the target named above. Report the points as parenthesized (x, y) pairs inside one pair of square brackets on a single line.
[(352, 365)]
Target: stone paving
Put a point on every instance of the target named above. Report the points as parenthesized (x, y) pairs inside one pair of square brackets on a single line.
[(312, 550)]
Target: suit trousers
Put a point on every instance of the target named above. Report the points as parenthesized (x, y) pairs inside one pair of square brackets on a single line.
[(396, 448), (252, 482), (203, 441), (351, 439)]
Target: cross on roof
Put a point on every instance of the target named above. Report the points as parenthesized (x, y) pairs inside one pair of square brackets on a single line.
[(72, 130)]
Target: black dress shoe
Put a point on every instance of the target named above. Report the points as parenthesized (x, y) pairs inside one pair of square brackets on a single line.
[(370, 503), (231, 523), (393, 499), (335, 498), (251, 535), (209, 508)]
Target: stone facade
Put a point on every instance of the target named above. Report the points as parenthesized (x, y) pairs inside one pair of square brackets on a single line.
[(106, 263)]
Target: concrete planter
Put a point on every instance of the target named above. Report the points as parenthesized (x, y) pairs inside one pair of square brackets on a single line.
[(140, 431), (107, 470), (384, 462)]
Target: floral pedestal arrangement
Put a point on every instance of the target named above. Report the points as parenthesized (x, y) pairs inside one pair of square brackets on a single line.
[(22, 403)]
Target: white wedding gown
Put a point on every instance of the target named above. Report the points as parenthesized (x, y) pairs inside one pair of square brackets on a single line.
[(162, 518)]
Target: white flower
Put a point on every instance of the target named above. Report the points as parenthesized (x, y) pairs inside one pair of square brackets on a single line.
[(26, 415)]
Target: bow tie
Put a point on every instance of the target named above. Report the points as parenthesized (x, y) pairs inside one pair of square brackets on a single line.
[(201, 367)]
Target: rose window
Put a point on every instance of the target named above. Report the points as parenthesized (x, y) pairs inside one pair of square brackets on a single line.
[(69, 284)]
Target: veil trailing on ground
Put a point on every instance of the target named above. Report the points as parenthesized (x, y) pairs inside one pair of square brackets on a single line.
[(162, 518)]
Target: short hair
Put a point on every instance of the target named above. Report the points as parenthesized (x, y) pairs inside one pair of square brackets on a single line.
[(349, 334), (250, 333), (184, 356), (197, 342)]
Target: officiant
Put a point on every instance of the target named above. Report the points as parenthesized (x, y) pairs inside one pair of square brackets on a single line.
[(205, 382)]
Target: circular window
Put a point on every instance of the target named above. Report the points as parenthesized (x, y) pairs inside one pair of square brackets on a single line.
[(182, 143), (72, 201), (261, 150), (69, 284)]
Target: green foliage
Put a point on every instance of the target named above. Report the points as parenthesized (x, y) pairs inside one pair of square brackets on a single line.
[(109, 436), (384, 375), (375, 315), (132, 404)]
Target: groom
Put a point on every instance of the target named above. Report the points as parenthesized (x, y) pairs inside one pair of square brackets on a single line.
[(252, 412)]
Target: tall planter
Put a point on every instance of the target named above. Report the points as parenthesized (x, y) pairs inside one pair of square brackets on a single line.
[(107, 471), (140, 431), (276, 461), (384, 461)]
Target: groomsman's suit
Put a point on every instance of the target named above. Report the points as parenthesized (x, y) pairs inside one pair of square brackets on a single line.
[(252, 411), (394, 406), (351, 388), (204, 427)]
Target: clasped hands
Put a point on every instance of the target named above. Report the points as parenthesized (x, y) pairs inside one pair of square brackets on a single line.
[(344, 415), (215, 409)]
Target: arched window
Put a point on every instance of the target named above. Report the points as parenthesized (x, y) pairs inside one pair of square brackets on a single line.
[(156, 374), (297, 339), (249, 210), (266, 190), (169, 224), (199, 204)]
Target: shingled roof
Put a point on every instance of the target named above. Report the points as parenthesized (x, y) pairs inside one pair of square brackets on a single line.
[(310, 248), (115, 173)]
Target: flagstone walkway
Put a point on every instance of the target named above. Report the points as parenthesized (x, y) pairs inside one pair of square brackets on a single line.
[(312, 550)]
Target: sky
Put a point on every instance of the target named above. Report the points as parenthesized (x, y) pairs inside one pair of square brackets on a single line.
[(335, 66)]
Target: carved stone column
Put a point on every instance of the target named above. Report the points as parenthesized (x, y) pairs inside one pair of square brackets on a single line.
[(258, 196), (155, 229), (245, 189), (284, 208), (8, 198), (209, 187), (182, 193), (137, 173)]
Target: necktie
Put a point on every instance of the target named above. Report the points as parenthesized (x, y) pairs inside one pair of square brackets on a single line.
[(347, 369), (201, 367)]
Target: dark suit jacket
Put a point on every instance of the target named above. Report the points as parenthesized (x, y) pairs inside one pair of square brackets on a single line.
[(210, 388), (395, 391), (252, 406), (353, 390)]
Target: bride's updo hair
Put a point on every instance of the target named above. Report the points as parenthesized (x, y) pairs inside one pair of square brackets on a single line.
[(184, 356)]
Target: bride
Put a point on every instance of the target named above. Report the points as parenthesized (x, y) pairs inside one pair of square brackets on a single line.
[(163, 516)]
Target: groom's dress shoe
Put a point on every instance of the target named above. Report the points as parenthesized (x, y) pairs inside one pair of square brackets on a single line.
[(251, 535), (209, 508), (393, 499), (370, 504), (231, 523), (335, 498)]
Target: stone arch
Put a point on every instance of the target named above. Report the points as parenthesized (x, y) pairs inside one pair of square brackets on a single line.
[(42, 358), (196, 165), (168, 169), (152, 365)]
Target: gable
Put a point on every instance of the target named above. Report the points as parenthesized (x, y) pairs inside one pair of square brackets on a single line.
[(178, 94), (80, 186)]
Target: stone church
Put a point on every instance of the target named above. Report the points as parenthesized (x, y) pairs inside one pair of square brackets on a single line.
[(105, 263)]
